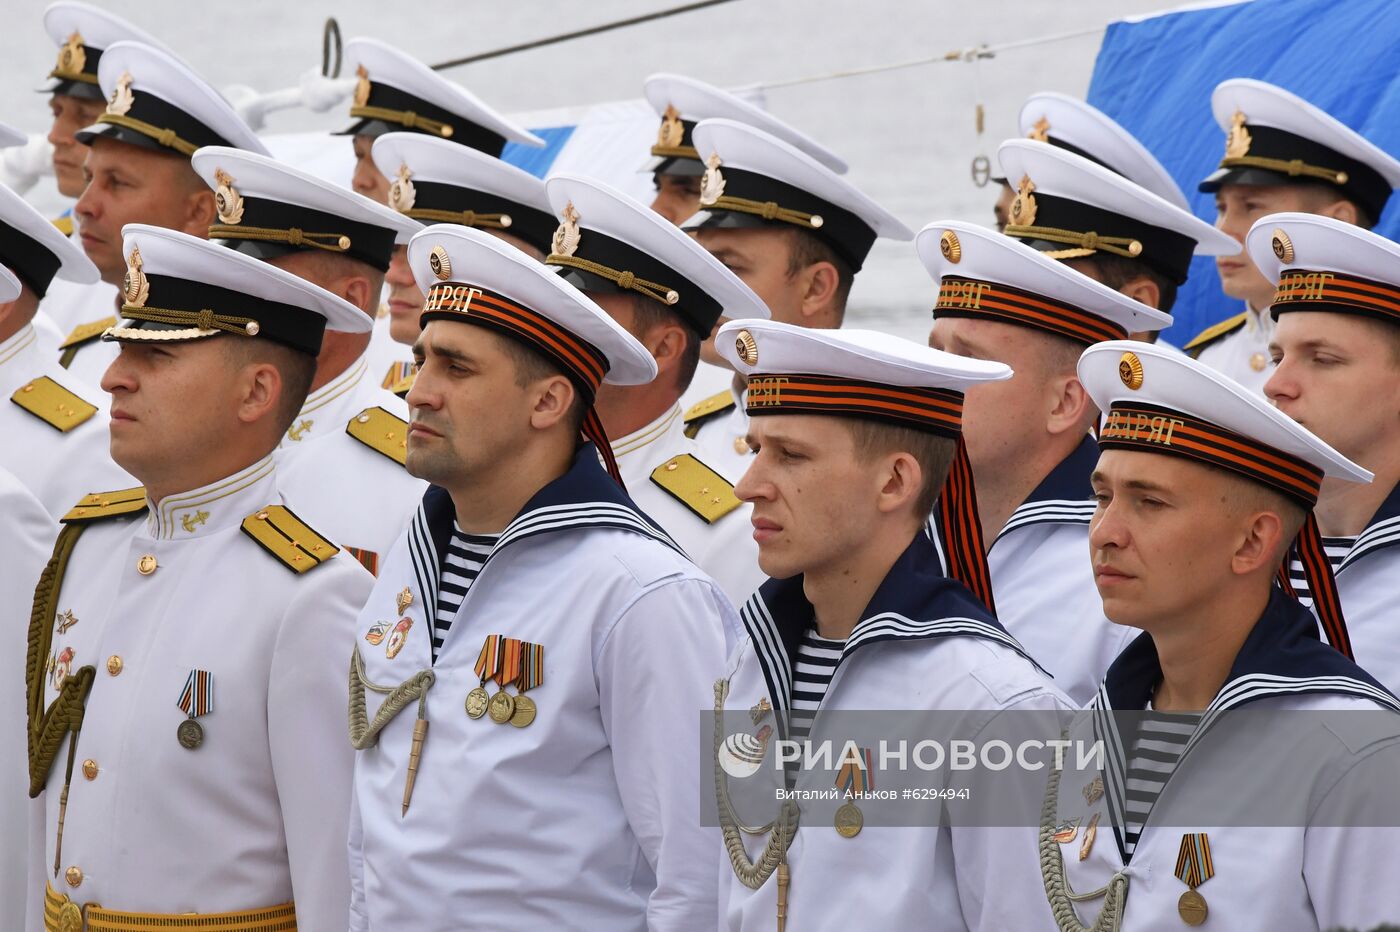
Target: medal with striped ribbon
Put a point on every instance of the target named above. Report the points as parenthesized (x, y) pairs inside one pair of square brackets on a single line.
[(502, 705), (196, 699), (487, 663), (855, 777), (531, 675), (1193, 868)]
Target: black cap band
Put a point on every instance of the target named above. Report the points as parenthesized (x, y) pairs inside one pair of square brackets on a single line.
[(28, 258), (531, 224), (389, 109), (1073, 225), (269, 227), (156, 124), (181, 304)]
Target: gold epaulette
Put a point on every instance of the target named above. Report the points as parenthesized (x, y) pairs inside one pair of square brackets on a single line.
[(1211, 334), (397, 373), (64, 225), (382, 432), (86, 333), (696, 486), (404, 385), (53, 404), (702, 411), (101, 505), (282, 534)]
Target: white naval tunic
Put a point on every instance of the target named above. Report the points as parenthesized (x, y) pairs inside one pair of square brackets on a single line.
[(70, 305), (329, 408), (721, 441), (1043, 579), (27, 532), (588, 818), (58, 467), (383, 350), (256, 815), (1243, 354), (709, 379), (1313, 875), (924, 643), (725, 549)]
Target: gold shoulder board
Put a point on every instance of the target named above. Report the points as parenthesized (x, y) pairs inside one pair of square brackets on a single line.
[(702, 411), (53, 404), (1209, 335), (382, 432), (403, 385), (696, 486), (86, 333), (64, 225), (396, 373), (100, 505), (282, 534)]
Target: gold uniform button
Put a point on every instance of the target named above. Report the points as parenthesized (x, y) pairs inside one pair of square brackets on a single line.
[(1257, 362), (146, 565), (74, 876), (114, 665), (741, 445), (90, 769)]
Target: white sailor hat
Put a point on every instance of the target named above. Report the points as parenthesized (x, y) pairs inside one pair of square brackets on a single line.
[(9, 286), (268, 209), (474, 278), (682, 102), (609, 242), (1074, 125), (82, 32), (156, 101), (1322, 264), (1069, 207), (754, 179), (1276, 138), (180, 287), (34, 249), (437, 181), (397, 92), (1158, 400), (984, 275), (9, 136)]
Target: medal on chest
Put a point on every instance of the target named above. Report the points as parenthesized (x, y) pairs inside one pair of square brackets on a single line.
[(510, 662), (855, 778), (1194, 867), (196, 700)]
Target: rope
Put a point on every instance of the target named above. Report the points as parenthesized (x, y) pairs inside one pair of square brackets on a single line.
[(1091, 242), (750, 873), (1052, 870), (166, 137), (1291, 167), (204, 319), (295, 237), (625, 280), (404, 118), (364, 733), (768, 210), (466, 218)]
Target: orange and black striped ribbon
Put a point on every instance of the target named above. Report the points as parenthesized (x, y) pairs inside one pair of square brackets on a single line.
[(367, 558), (488, 662), (531, 666), (1163, 430), (509, 672), (584, 363), (965, 297), (937, 410), (1303, 290)]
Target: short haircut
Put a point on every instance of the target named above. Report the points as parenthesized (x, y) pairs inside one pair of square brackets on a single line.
[(807, 249), (933, 452), (1247, 497), (298, 370), (531, 366), (1319, 194), (329, 266), (649, 315), (1118, 271)]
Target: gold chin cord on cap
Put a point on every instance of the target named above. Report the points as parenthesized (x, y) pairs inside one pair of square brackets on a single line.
[(1293, 168), (662, 294), (329, 242), (466, 218), (203, 319), (166, 137), (405, 118), (1083, 244)]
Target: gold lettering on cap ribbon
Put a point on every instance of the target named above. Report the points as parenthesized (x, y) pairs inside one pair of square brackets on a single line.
[(958, 294), (1141, 427), (766, 392), (1308, 287), (457, 299)]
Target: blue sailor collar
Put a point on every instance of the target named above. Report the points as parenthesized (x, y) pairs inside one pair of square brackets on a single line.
[(585, 496), (914, 602), (1382, 531), (1064, 496)]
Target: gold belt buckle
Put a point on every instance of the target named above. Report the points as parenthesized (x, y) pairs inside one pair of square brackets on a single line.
[(71, 916)]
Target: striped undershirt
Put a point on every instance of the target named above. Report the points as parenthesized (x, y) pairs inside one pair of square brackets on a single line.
[(811, 675), (1161, 737), (1337, 548), (460, 565)]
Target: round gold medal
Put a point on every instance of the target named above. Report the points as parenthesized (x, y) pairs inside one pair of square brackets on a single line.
[(849, 821), (476, 702), (1192, 908), (190, 734), (524, 711), (501, 707)]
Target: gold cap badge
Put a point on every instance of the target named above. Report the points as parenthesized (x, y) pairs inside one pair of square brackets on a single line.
[(672, 131), (1023, 207), (440, 263), (1283, 247), (135, 287), (712, 185), (1040, 132), (1130, 370), (119, 104), (402, 194), (566, 238), (951, 248), (746, 347), (1238, 141), (227, 199), (362, 87), (72, 57)]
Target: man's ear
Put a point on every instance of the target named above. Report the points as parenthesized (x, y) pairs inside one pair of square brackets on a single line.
[(553, 399), (1070, 407), (259, 392), (1260, 544), (1143, 290), (900, 483), (818, 284), (200, 213)]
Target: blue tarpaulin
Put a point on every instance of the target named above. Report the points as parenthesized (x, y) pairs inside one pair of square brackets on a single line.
[(1155, 78)]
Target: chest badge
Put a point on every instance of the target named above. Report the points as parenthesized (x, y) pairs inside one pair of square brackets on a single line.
[(196, 700)]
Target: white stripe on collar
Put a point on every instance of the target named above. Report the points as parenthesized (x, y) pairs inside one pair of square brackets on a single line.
[(1377, 537), (1049, 512)]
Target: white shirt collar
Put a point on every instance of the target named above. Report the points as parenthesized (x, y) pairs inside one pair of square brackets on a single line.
[(216, 506)]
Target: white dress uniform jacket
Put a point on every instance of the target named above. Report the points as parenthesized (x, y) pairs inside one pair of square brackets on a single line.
[(1331, 869), (81, 312), (29, 531), (588, 818), (723, 547), (1043, 580), (1239, 347), (720, 439), (924, 644), (329, 408), (257, 814), (55, 427)]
